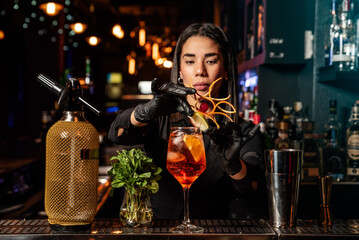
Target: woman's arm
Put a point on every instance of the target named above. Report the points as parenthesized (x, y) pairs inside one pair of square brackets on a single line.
[(126, 131), (134, 122)]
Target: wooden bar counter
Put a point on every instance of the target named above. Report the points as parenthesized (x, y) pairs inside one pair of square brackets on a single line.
[(214, 230)]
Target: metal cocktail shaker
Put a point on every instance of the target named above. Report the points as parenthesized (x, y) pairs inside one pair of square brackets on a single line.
[(283, 172)]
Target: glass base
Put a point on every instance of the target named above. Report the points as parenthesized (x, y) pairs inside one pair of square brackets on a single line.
[(187, 228)]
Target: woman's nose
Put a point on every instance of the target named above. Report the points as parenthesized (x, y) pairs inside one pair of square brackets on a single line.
[(200, 69)]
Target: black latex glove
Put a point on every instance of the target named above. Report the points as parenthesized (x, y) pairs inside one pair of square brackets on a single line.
[(168, 98), (227, 142)]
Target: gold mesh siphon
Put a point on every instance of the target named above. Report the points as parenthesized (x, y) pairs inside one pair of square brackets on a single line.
[(71, 176)]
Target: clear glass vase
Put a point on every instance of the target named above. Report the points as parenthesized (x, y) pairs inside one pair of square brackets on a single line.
[(136, 210)]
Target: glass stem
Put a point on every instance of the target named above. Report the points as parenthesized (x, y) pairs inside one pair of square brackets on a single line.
[(186, 220)]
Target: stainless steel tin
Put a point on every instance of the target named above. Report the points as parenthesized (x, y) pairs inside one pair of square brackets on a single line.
[(283, 169)]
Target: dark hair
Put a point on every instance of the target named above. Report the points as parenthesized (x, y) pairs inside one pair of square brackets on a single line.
[(215, 33)]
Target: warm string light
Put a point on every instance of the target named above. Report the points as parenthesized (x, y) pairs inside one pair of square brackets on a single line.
[(155, 51), (157, 47), (167, 64), (132, 66), (117, 31), (51, 8), (142, 34), (78, 27), (142, 37), (93, 40), (131, 58)]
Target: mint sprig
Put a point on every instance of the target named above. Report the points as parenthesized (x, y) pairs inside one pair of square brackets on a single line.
[(134, 171)]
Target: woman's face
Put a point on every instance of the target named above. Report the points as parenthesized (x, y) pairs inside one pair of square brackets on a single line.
[(201, 64)]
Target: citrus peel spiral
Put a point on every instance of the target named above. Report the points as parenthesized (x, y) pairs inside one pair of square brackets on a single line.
[(215, 102)]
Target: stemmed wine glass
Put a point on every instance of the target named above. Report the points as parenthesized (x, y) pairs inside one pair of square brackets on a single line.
[(186, 160)]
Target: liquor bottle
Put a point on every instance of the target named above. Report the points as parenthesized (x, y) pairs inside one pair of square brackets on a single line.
[(283, 141), (254, 99), (311, 163), (251, 43), (271, 124), (334, 27), (88, 71), (72, 161), (299, 118), (332, 156), (88, 87), (260, 28), (343, 39), (352, 138), (288, 116), (332, 126)]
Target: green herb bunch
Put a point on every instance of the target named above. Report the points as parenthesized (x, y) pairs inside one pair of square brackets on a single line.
[(134, 171), (137, 173)]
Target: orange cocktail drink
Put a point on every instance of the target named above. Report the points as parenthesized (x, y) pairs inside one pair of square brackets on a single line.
[(186, 158), (186, 161)]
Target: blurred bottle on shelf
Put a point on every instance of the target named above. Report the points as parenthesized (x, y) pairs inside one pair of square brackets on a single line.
[(342, 53), (260, 27), (87, 84), (352, 140), (87, 70), (254, 99), (271, 123), (287, 113), (288, 116), (311, 163), (299, 117), (283, 141), (332, 155), (249, 96), (333, 25), (250, 40)]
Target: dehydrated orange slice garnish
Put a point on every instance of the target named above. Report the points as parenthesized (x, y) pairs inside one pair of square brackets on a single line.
[(194, 145)]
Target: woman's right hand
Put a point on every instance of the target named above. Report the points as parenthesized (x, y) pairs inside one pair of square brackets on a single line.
[(167, 98)]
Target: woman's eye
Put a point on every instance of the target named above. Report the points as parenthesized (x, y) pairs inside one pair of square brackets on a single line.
[(211, 61), (189, 62)]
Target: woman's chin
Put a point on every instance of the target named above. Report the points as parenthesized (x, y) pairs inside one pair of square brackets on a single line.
[(202, 92)]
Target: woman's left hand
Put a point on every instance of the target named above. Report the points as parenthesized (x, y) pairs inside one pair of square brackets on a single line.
[(226, 143)]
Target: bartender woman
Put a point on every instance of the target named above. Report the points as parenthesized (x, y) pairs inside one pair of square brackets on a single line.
[(234, 169)]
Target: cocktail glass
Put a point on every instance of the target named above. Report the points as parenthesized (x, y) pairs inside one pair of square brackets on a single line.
[(186, 161)]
